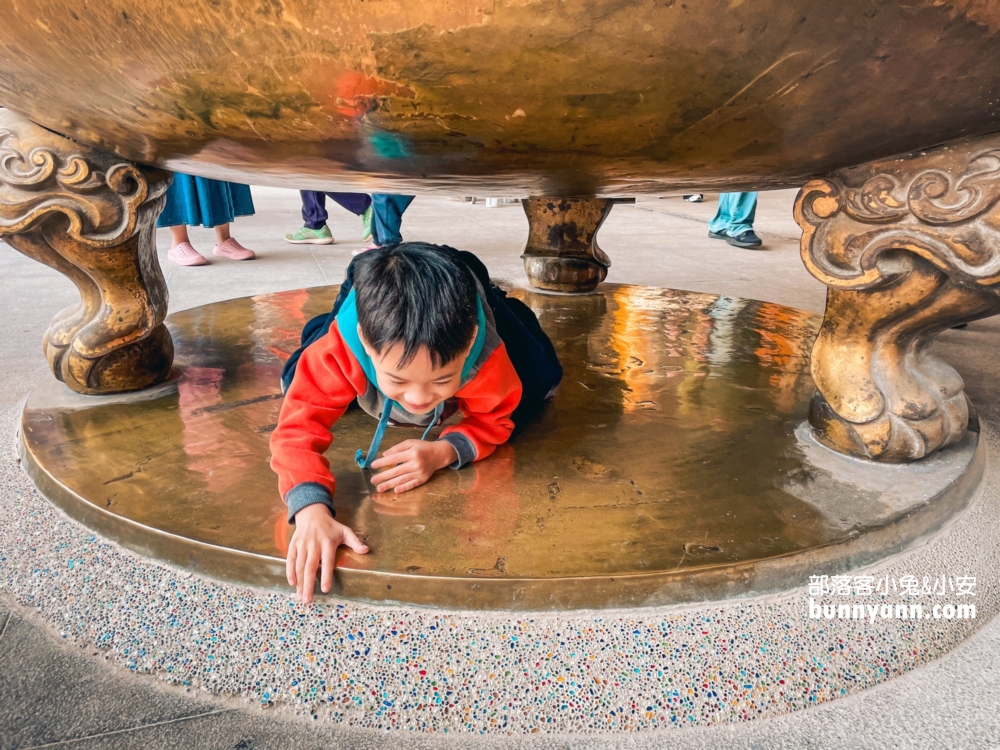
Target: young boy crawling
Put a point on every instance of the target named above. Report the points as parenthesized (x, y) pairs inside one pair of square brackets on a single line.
[(417, 331)]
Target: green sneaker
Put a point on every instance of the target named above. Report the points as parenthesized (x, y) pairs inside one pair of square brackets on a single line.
[(366, 224), (307, 236)]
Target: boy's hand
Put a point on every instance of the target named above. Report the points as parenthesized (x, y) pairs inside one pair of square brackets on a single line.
[(314, 544), (413, 462)]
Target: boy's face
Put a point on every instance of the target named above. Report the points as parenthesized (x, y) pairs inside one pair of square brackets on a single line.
[(418, 386)]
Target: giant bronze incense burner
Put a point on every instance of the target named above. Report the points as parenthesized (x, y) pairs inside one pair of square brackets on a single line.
[(565, 103)]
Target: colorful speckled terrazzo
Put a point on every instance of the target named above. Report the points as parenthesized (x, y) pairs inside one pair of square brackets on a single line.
[(394, 668)]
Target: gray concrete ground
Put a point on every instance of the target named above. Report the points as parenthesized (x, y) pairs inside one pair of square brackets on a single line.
[(55, 696)]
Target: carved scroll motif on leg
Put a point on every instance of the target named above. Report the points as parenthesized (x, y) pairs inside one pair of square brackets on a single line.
[(91, 216), (908, 248), (561, 254)]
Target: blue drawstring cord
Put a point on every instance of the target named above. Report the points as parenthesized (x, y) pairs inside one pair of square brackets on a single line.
[(365, 461)]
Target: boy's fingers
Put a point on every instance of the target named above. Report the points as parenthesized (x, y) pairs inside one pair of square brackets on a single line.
[(309, 576), (408, 473), (396, 458), (378, 463), (290, 564), (397, 448), (329, 560), (300, 578), (410, 485), (388, 474), (352, 541), (400, 448), (390, 483), (405, 479)]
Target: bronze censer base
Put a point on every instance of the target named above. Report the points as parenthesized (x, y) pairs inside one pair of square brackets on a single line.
[(674, 465)]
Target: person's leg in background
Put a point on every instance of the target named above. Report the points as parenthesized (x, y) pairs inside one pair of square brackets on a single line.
[(314, 213), (742, 211), (226, 245), (733, 222), (356, 203), (199, 201), (181, 251), (314, 230), (359, 204), (388, 210)]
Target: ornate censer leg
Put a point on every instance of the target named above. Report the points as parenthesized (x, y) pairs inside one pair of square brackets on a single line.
[(908, 247), (561, 254), (91, 216)]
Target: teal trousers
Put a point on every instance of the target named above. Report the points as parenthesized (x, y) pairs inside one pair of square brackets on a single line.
[(735, 215)]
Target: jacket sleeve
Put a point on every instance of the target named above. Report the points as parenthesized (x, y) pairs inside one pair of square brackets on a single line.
[(487, 402), (318, 396)]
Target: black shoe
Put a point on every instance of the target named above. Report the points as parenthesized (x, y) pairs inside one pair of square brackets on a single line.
[(745, 239), (718, 235)]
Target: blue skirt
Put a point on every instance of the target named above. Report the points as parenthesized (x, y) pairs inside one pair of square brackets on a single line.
[(199, 200)]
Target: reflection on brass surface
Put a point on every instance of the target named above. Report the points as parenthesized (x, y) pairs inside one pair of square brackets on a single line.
[(561, 253), (666, 468), (908, 247), (550, 97), (91, 217)]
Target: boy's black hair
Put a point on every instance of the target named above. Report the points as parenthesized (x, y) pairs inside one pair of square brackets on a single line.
[(416, 294)]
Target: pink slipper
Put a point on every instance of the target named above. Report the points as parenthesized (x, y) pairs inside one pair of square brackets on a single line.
[(233, 250), (184, 254), (365, 249)]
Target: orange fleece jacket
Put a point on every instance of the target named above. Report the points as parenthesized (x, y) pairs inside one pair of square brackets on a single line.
[(328, 377)]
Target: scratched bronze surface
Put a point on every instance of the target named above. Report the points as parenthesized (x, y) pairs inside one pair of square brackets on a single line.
[(667, 467), (508, 97)]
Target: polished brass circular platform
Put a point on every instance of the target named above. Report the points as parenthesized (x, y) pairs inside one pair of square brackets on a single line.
[(673, 465)]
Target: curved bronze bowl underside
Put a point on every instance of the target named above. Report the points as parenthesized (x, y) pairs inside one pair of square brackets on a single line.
[(509, 96)]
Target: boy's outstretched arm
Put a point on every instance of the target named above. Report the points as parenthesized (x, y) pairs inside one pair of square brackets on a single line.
[(318, 396)]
